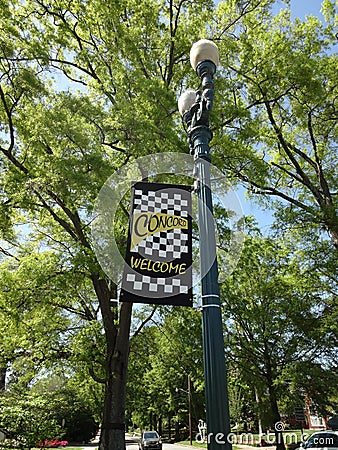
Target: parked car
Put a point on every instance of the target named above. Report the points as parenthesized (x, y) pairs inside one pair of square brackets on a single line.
[(322, 440), (151, 440)]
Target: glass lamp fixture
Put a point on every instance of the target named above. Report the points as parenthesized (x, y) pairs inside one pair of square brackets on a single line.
[(186, 100), (204, 50)]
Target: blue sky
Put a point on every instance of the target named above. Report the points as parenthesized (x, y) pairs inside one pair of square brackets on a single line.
[(302, 8)]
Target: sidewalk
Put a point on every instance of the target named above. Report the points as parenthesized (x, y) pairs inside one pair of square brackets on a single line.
[(94, 443), (89, 446)]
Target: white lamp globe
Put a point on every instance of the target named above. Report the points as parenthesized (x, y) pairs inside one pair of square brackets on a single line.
[(186, 100), (203, 50)]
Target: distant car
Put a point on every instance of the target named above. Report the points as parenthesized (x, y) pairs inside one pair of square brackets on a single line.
[(322, 440), (151, 440)]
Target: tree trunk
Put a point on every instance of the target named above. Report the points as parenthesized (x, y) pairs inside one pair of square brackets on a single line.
[(160, 426), (112, 435), (177, 431), (330, 217), (3, 371), (258, 401), (278, 426), (334, 237), (169, 427), (113, 423)]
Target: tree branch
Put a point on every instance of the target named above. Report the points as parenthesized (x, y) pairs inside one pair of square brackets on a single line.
[(305, 179), (145, 321), (258, 189), (10, 123), (318, 166)]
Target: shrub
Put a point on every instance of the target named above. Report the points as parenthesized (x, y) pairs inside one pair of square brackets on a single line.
[(26, 420), (33, 419)]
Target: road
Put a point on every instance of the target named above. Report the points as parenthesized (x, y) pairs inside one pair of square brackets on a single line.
[(132, 444)]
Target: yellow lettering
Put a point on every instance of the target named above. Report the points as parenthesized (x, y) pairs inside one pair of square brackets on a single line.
[(164, 267), (135, 262), (173, 268), (144, 264), (183, 268), (158, 264)]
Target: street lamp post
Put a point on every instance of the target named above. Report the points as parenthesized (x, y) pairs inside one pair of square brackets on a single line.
[(195, 108)]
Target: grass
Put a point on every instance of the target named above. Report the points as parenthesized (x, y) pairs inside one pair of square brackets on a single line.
[(194, 444)]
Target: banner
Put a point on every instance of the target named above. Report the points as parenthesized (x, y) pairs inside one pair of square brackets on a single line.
[(159, 247)]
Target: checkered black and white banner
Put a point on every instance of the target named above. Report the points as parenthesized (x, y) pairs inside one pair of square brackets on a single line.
[(159, 248)]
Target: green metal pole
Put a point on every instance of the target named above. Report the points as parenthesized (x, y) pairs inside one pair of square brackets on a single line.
[(216, 393)]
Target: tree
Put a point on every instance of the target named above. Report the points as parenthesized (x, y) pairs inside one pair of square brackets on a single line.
[(36, 327), (114, 101), (46, 413), (276, 116), (274, 323), (26, 419)]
